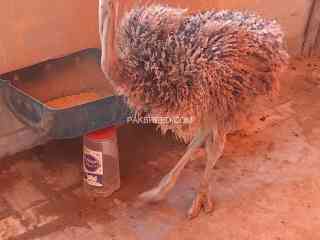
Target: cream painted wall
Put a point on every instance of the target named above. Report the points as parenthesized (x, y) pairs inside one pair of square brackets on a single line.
[(37, 30)]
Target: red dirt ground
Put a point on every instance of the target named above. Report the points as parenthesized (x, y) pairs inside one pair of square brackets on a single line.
[(266, 186)]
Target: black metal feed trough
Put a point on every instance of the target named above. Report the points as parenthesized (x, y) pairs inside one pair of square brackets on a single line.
[(64, 123)]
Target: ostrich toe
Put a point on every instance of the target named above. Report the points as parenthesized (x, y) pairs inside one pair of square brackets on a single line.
[(202, 201)]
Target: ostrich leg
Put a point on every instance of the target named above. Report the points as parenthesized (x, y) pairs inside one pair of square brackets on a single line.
[(168, 182), (214, 148)]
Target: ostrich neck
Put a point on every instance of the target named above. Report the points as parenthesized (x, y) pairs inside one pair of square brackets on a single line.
[(108, 13)]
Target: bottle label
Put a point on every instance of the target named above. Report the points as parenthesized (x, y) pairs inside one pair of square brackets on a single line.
[(93, 167)]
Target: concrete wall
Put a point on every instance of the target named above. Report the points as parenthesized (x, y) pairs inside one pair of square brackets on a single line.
[(36, 30)]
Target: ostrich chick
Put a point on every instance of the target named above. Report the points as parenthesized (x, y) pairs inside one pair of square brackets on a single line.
[(208, 66)]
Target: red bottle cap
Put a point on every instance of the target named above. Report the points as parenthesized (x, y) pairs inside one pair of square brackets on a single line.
[(102, 134)]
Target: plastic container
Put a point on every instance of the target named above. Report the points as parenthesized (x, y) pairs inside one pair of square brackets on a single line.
[(101, 163)]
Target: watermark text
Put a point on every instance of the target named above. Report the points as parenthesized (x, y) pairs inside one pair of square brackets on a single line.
[(159, 120)]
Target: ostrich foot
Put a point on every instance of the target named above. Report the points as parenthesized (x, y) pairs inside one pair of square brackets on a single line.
[(158, 193), (168, 182), (202, 201)]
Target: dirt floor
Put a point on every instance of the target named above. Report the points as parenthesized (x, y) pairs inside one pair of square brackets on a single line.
[(266, 186)]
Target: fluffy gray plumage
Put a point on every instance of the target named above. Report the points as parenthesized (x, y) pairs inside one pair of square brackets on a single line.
[(211, 63)]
